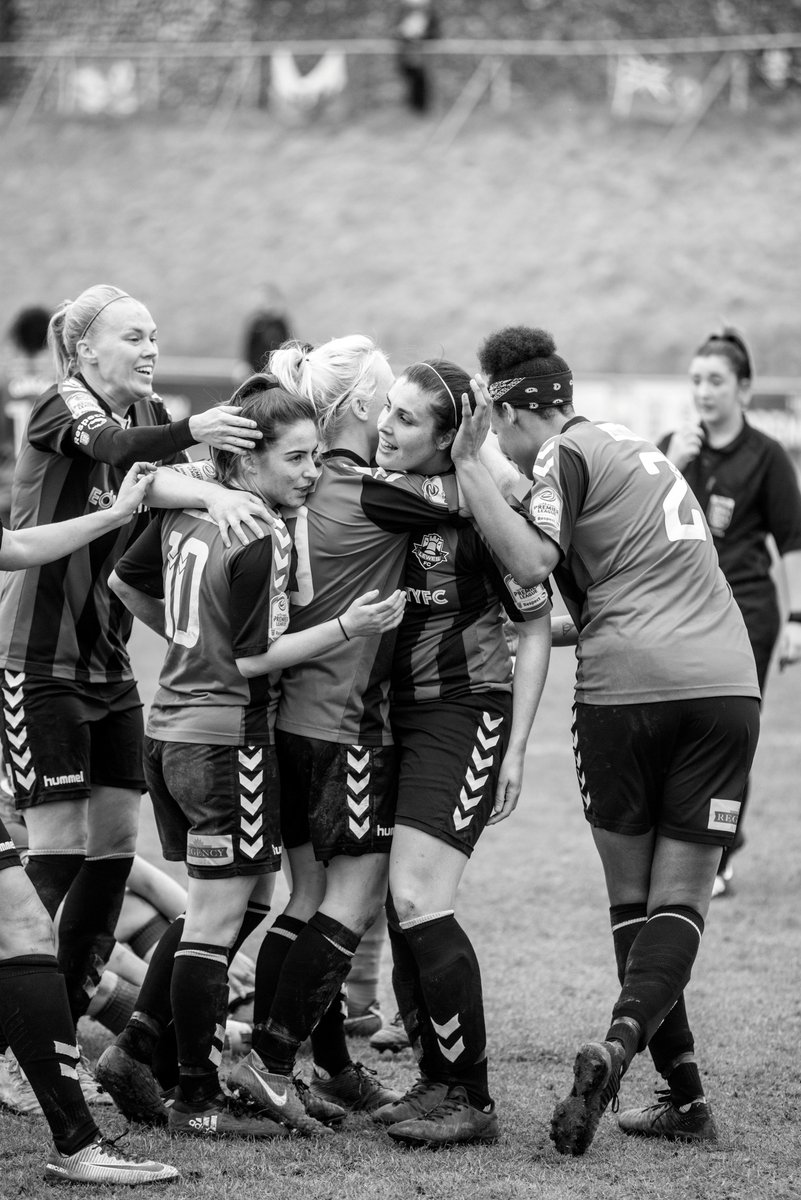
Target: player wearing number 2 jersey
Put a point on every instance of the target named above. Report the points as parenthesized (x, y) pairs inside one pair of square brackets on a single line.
[(667, 710)]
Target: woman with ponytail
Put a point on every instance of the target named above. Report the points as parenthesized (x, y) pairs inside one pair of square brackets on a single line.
[(72, 723)]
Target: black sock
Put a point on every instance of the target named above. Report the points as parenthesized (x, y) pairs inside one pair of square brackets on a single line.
[(278, 941), (658, 970), (199, 994), (153, 1009), (313, 970), (254, 915), (52, 874), (35, 1016), (329, 1044), (86, 930), (673, 1038), (450, 979), (148, 935), (412, 1004), (684, 1082)]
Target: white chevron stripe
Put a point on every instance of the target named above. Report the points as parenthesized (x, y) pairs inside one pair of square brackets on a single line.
[(475, 782), (17, 739), (467, 802), (12, 698), (251, 850), (358, 830), (358, 807), (481, 764), (251, 785), (249, 828), (459, 821), (358, 760), (486, 741), (25, 781), (448, 1029), (21, 760), (489, 723), (13, 680), (250, 803), (14, 719), (66, 1048), (357, 785), (249, 762), (67, 1071), (452, 1052)]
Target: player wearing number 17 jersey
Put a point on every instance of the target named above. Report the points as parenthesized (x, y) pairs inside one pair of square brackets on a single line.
[(666, 718)]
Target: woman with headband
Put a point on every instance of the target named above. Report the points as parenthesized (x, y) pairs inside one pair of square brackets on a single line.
[(748, 489), (666, 714), (72, 721), (461, 736)]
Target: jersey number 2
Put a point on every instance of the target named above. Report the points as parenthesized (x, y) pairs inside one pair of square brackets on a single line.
[(185, 563), (676, 529)]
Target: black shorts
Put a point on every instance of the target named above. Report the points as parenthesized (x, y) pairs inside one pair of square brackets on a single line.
[(62, 737), (216, 807), (679, 766), (9, 855), (450, 757), (340, 798)]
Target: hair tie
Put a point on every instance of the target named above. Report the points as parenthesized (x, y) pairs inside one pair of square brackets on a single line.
[(444, 384)]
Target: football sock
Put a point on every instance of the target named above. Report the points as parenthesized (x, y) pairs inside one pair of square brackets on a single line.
[(35, 1015), (51, 872), (254, 915), (277, 942), (658, 969), (146, 937), (684, 1082), (86, 929), (450, 980), (199, 995), (412, 1004), (366, 965), (153, 1010), (311, 976), (329, 1044), (673, 1039), (114, 1002)]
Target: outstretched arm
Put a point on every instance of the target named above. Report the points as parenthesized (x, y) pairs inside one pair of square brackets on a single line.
[(22, 548)]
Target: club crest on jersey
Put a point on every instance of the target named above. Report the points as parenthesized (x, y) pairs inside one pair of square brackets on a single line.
[(527, 599), (546, 509), (279, 615), (719, 513), (430, 551), (433, 491)]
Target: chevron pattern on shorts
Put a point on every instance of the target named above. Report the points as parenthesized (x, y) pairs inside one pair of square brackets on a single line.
[(478, 771), (358, 791), (251, 800), (20, 760), (449, 1036), (582, 780)]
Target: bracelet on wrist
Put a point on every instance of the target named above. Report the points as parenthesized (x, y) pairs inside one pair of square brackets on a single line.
[(344, 630), (795, 615)]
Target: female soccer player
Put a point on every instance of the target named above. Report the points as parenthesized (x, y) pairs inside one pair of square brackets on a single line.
[(666, 717), (461, 744), (72, 725), (748, 489), (210, 762), (34, 1009)]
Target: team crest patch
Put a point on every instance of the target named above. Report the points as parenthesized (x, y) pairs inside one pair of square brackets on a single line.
[(77, 399), (723, 815), (209, 850), (279, 615), (430, 551), (719, 513), (527, 599), (433, 491)]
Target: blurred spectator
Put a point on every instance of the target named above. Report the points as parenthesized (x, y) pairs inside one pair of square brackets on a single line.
[(266, 328), (25, 372), (417, 23)]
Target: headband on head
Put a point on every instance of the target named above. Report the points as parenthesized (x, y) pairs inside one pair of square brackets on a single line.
[(534, 391), (444, 384), (123, 296), (734, 338)]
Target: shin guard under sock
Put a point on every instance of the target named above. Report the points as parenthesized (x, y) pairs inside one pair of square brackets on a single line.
[(199, 995), (311, 976), (450, 980), (658, 969), (36, 1018), (86, 930), (412, 1004)]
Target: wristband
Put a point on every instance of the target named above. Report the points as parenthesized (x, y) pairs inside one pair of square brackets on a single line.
[(347, 636), (795, 615)]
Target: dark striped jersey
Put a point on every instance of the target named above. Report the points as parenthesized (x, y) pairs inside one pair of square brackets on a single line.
[(639, 572), (351, 538), (60, 620), (220, 604), (451, 641)]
